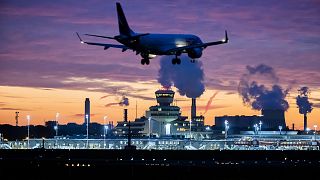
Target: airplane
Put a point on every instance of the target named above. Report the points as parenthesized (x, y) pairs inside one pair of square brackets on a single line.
[(150, 45)]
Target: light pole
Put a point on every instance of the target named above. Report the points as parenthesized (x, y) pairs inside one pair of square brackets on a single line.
[(149, 119), (28, 119), (226, 127), (280, 128), (190, 129), (260, 124), (255, 130), (315, 132), (168, 129), (56, 128), (87, 121), (307, 129), (104, 131)]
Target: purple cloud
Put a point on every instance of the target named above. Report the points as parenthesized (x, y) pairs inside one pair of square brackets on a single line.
[(39, 47)]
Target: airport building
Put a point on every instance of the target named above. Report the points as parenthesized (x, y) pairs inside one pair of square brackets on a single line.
[(269, 119), (162, 114)]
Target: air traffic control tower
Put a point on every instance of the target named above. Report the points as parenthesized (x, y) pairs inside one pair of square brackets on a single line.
[(163, 114)]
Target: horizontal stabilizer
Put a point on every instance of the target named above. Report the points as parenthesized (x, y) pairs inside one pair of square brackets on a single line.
[(136, 36)]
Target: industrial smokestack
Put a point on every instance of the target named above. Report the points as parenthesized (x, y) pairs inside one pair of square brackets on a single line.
[(305, 122), (125, 115), (87, 111), (17, 118), (193, 108)]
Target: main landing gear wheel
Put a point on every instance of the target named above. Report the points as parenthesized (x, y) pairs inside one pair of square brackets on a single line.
[(176, 61), (193, 60), (145, 61)]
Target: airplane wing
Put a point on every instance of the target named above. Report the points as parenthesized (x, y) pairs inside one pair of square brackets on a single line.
[(106, 46), (203, 45)]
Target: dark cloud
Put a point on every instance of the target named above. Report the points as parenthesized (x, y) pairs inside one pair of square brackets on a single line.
[(14, 96), (316, 105), (90, 77), (230, 93), (315, 99), (141, 97), (82, 115), (106, 96), (111, 104), (14, 109), (203, 108)]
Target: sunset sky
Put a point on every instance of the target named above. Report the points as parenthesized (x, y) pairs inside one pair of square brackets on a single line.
[(44, 69)]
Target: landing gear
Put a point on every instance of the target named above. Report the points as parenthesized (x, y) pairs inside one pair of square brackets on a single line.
[(145, 61), (192, 60), (176, 60)]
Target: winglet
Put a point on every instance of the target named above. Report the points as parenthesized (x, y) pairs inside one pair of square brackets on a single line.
[(226, 39), (80, 38)]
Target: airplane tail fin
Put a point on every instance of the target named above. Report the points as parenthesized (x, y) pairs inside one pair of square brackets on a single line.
[(124, 28)]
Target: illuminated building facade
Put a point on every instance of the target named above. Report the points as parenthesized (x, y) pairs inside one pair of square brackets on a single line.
[(162, 114)]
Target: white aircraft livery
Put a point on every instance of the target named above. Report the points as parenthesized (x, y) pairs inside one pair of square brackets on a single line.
[(150, 45)]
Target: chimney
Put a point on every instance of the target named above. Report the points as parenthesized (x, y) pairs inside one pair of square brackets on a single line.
[(293, 126), (193, 108), (17, 118), (87, 111), (125, 115)]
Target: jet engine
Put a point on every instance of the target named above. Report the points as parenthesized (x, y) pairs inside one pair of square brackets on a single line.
[(195, 53)]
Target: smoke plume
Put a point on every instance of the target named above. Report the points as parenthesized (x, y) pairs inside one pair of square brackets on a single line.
[(186, 77), (210, 101), (259, 95), (124, 102), (303, 101)]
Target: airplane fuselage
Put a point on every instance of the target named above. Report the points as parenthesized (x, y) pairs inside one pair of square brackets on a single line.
[(159, 44)]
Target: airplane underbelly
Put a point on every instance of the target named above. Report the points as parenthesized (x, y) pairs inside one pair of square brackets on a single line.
[(157, 47)]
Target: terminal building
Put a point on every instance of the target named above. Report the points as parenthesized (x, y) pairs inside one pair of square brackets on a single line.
[(165, 120)]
